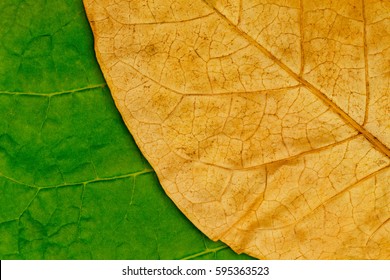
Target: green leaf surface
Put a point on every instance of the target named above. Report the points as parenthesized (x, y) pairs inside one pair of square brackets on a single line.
[(73, 184)]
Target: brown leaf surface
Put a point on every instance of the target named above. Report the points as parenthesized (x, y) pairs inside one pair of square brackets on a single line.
[(266, 121)]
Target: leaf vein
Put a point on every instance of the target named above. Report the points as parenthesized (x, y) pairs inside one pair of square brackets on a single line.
[(53, 93), (371, 138)]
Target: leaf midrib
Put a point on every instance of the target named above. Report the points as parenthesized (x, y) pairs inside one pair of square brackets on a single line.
[(343, 115)]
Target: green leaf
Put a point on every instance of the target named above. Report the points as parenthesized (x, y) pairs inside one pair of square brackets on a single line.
[(73, 184)]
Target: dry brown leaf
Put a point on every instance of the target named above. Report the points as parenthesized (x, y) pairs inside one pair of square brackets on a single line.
[(267, 121)]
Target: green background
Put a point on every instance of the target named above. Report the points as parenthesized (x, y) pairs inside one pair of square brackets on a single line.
[(73, 184)]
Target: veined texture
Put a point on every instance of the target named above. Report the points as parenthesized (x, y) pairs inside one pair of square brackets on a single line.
[(267, 121)]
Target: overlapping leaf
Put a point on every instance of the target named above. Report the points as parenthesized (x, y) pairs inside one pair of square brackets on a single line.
[(73, 184), (267, 122)]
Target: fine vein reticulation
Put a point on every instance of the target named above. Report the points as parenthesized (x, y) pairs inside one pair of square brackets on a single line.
[(73, 184), (267, 122)]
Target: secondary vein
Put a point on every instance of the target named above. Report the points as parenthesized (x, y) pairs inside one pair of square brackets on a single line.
[(371, 138)]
